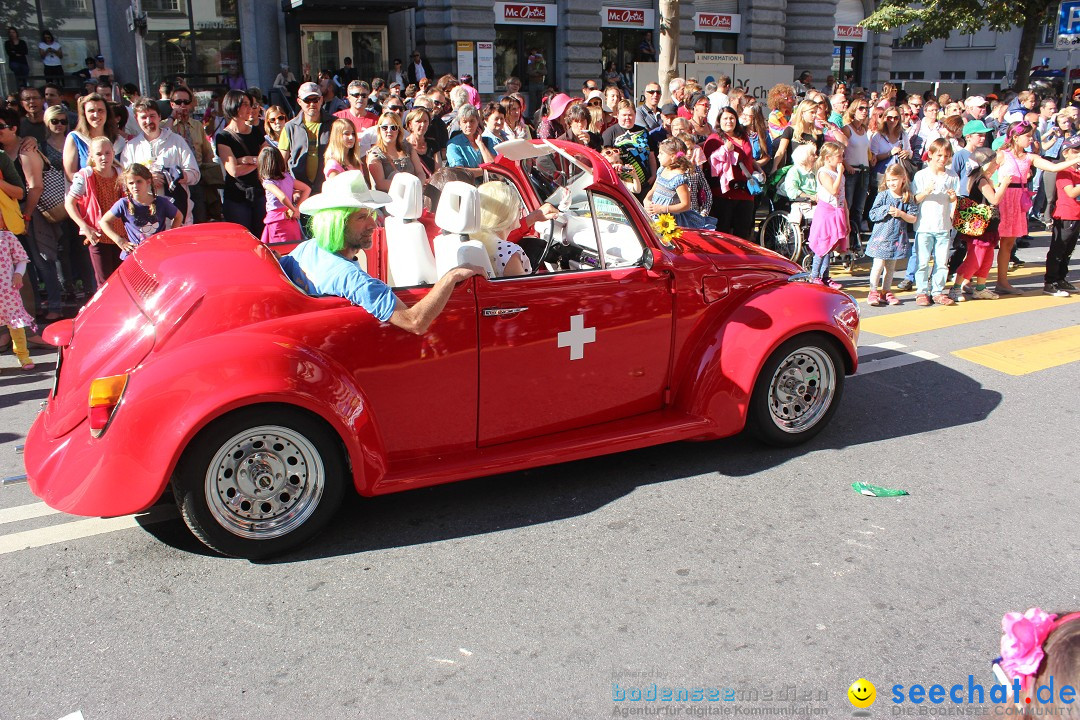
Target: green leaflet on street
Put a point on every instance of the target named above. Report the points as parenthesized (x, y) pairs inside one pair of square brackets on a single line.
[(876, 490)]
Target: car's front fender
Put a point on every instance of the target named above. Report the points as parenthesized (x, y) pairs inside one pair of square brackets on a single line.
[(721, 372), (170, 398)]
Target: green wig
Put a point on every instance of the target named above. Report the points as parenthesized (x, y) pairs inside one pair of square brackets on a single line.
[(327, 227)]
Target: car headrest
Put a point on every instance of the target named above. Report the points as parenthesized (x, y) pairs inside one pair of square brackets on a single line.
[(406, 197), (459, 208)]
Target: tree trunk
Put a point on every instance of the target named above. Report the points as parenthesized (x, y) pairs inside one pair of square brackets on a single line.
[(1034, 22), (669, 46)]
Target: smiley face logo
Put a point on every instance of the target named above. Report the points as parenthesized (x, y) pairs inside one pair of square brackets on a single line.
[(862, 693)]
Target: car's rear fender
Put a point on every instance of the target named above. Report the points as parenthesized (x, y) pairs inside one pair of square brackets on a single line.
[(719, 376), (188, 388)]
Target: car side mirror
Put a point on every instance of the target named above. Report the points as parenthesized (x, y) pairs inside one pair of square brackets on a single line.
[(655, 261)]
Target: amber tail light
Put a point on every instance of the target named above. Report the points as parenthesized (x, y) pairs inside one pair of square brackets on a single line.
[(105, 394)]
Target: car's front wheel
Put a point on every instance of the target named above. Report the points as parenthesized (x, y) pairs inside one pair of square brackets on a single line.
[(260, 481), (797, 391)]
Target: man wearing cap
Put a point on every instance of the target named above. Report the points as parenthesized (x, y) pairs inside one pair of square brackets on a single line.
[(304, 139), (343, 225), (99, 70), (974, 108)]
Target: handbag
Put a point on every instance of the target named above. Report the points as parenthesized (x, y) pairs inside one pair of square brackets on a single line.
[(212, 174), (12, 215), (971, 218), (51, 202)]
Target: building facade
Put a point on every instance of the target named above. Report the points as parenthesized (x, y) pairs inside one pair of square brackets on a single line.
[(204, 39)]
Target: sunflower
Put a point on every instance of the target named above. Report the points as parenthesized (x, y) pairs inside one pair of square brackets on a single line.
[(665, 224)]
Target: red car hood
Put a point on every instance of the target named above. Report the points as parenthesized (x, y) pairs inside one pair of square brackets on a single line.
[(726, 251)]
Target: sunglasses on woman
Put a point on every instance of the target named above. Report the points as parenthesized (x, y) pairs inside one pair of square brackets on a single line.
[(58, 121), (387, 127)]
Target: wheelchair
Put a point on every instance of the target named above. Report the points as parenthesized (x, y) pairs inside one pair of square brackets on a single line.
[(779, 234)]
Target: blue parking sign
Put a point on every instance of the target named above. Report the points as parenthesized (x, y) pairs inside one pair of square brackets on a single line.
[(1068, 31)]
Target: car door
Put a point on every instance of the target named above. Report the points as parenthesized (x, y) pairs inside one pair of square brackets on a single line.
[(566, 350), (422, 388)]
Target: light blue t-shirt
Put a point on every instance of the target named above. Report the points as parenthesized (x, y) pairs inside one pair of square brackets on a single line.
[(330, 274)]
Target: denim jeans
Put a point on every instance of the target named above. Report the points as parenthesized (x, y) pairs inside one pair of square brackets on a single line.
[(820, 267), (935, 245), (856, 190), (912, 263)]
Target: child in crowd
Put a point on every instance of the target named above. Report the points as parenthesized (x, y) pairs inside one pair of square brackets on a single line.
[(1066, 225), (1040, 651), (342, 150), (670, 193), (982, 164), (142, 213), (829, 228), (800, 183), (283, 194), (94, 190), (626, 173), (893, 208), (13, 313), (935, 193), (700, 194)]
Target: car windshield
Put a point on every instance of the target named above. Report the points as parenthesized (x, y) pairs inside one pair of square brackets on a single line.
[(564, 184)]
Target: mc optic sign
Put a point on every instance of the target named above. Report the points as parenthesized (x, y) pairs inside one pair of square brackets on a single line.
[(627, 17), (507, 13)]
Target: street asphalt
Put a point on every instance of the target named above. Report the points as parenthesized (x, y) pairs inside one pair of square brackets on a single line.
[(745, 571)]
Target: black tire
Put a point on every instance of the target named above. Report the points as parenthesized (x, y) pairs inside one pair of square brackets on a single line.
[(260, 481), (797, 391)]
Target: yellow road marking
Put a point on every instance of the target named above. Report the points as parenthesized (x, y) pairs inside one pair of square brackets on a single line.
[(938, 317), (1027, 354)]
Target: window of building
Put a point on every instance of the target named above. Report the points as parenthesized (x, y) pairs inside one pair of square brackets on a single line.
[(953, 74), (982, 39), (990, 75), (907, 44), (199, 39), (907, 75), (72, 24)]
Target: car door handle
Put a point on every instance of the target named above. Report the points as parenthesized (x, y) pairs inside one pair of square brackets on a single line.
[(501, 312)]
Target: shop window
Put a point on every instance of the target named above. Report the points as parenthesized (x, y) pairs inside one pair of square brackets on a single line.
[(198, 40), (709, 42), (72, 24)]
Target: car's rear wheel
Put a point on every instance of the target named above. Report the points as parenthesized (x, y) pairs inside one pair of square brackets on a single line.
[(797, 391), (260, 481)]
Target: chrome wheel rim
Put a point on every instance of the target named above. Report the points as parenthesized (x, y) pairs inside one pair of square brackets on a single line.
[(264, 482), (802, 389)]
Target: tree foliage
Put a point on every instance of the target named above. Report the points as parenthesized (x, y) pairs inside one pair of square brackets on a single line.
[(928, 20)]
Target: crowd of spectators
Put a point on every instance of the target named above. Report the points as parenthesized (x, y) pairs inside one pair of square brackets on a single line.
[(710, 156)]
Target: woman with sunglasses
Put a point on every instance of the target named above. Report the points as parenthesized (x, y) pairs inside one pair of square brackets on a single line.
[(889, 146), (466, 149), (238, 147), (275, 121), (857, 162), (391, 155), (96, 119)]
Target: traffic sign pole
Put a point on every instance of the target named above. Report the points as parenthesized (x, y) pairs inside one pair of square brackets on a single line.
[(1068, 82)]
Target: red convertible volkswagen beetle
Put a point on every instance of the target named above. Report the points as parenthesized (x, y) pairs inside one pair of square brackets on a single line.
[(200, 365)]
